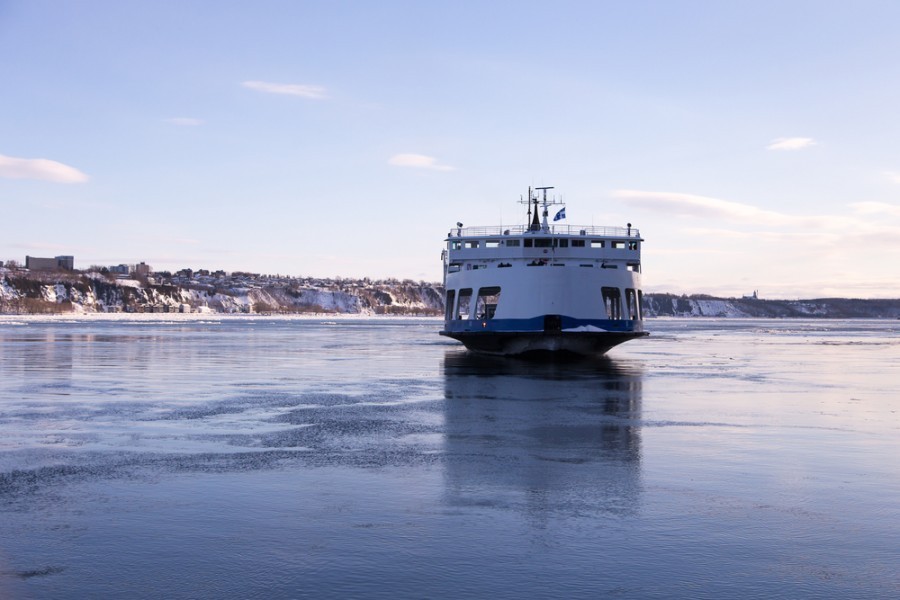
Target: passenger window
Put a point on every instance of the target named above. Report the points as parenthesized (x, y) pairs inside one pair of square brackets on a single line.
[(465, 302), (597, 243), (631, 304), (486, 304), (448, 307), (612, 300)]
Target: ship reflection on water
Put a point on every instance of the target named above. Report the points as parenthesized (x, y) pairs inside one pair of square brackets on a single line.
[(542, 437)]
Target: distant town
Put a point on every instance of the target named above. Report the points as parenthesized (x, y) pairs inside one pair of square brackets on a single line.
[(55, 286)]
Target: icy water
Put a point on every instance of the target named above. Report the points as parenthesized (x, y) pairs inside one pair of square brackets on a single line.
[(266, 458)]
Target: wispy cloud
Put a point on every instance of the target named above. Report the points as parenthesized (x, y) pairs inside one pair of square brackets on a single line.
[(184, 121), (39, 168), (313, 92), (790, 143), (893, 176), (418, 161), (702, 206), (873, 208)]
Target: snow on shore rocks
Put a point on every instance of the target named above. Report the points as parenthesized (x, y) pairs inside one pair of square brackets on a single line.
[(24, 292)]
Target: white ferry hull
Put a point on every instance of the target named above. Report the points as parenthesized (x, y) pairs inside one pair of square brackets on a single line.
[(542, 287)]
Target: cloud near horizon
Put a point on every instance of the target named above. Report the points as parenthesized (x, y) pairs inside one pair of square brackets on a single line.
[(790, 143), (39, 168), (313, 92), (418, 161)]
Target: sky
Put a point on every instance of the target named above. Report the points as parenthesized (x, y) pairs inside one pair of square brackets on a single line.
[(754, 144)]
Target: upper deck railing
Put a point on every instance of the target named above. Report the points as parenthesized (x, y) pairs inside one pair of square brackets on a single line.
[(574, 230)]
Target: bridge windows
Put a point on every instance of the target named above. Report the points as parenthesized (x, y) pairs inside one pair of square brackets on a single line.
[(597, 244)]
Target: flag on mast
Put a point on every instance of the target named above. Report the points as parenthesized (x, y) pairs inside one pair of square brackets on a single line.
[(561, 214)]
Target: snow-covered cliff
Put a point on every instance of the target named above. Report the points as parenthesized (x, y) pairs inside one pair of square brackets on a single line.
[(69, 292), (36, 292)]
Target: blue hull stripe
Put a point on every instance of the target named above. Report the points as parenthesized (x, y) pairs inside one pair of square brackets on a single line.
[(536, 324)]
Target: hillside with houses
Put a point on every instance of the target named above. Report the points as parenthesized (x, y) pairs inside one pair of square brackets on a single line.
[(188, 291), (54, 288)]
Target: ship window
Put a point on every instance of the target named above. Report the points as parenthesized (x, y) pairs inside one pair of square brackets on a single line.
[(455, 245), (586, 265), (612, 300), (512, 242), (529, 243), (486, 304), (636, 267), (563, 243), (618, 245), (543, 243), (451, 296), (578, 243), (597, 244), (631, 305), (492, 244), (632, 245), (472, 244), (465, 302)]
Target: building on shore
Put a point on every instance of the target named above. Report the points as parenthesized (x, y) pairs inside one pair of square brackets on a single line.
[(35, 263)]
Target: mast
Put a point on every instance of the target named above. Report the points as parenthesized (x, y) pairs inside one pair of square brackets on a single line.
[(536, 225)]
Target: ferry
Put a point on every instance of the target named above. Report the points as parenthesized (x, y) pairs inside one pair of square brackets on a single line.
[(542, 287)]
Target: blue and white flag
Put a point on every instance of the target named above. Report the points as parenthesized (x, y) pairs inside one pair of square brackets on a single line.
[(561, 214)]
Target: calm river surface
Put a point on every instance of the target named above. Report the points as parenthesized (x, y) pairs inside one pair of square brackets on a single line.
[(278, 458)]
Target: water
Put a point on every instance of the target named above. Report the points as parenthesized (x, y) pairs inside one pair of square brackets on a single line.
[(267, 458)]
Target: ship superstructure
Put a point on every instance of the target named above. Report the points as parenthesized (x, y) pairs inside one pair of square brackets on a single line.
[(542, 286)]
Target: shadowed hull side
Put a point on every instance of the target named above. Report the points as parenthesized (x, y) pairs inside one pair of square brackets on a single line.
[(513, 343)]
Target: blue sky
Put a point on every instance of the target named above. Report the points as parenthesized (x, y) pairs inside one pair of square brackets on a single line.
[(755, 144)]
